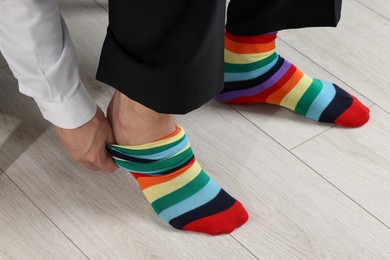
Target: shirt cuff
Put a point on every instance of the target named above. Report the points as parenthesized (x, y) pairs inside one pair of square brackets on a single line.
[(72, 113)]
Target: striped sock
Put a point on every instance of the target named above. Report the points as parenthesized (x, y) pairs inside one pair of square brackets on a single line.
[(177, 188), (255, 73)]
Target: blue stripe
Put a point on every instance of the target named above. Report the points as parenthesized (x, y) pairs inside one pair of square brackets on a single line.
[(323, 100), (231, 77), (206, 194)]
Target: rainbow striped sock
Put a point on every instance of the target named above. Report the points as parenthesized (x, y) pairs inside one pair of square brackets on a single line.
[(177, 188), (255, 73)]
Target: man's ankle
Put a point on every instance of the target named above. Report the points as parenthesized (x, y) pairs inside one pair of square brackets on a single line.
[(135, 124)]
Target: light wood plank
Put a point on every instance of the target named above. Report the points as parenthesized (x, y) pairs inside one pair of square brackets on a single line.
[(357, 162), (102, 3), (294, 213), (356, 52), (21, 120), (286, 127), (382, 7), (26, 233), (8, 120), (106, 214)]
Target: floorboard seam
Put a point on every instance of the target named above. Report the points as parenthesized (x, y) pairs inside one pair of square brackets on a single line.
[(319, 65), (276, 141), (333, 185), (371, 106), (6, 167), (99, 4), (311, 138), (232, 236), (49, 219), (372, 10), (384, 110), (342, 192)]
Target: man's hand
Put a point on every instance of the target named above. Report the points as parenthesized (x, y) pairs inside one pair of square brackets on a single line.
[(86, 144)]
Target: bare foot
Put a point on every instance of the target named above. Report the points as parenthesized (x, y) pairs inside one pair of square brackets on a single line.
[(135, 124)]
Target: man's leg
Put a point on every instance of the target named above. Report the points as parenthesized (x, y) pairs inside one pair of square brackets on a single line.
[(167, 56), (255, 73), (164, 60), (254, 17)]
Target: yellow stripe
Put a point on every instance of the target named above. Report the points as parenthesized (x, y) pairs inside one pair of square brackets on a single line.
[(160, 190), (291, 100), (155, 144), (235, 58), (119, 159)]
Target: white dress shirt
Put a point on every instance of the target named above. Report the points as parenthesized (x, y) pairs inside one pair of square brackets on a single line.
[(36, 44)]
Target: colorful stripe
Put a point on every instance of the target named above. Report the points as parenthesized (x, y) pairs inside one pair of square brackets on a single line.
[(255, 73), (175, 185)]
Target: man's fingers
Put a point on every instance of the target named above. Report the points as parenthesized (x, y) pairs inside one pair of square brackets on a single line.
[(110, 138), (106, 163), (90, 166)]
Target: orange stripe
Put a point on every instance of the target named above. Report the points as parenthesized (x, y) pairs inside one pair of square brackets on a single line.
[(145, 182), (245, 48), (170, 135), (278, 95)]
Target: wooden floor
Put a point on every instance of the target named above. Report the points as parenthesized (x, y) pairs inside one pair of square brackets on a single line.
[(313, 191)]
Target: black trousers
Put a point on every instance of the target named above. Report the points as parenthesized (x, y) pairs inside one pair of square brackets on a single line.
[(168, 55)]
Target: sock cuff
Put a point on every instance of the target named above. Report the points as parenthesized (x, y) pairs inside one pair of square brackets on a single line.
[(156, 158), (171, 138), (252, 39)]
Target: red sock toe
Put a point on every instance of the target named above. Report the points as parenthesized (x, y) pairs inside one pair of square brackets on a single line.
[(222, 223), (356, 115)]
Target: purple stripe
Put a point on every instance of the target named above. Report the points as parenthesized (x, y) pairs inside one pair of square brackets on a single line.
[(225, 97)]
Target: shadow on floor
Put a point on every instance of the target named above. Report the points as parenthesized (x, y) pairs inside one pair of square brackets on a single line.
[(20, 120)]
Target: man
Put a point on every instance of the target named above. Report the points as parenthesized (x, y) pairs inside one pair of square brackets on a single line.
[(164, 59)]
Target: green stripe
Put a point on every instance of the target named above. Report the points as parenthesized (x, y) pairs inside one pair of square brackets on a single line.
[(308, 98), (231, 67), (158, 166), (148, 151), (181, 194)]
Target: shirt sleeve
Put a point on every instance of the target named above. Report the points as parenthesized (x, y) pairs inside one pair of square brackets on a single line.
[(36, 44)]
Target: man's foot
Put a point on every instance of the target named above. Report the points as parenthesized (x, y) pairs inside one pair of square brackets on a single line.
[(255, 73), (166, 170)]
